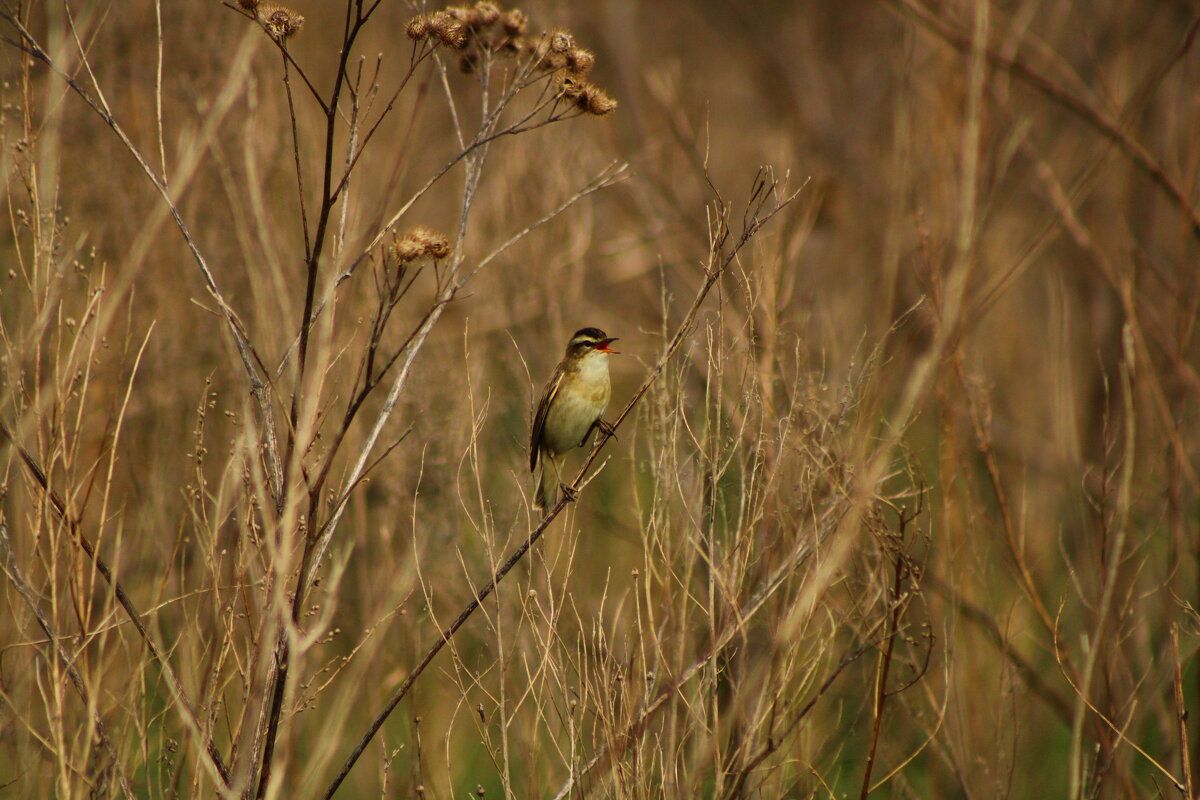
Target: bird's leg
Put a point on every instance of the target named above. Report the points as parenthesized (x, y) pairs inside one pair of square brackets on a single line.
[(605, 428), (567, 492)]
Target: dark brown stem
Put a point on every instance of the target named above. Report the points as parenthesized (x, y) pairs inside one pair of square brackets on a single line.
[(353, 26), (287, 84), (881, 674), (1181, 715)]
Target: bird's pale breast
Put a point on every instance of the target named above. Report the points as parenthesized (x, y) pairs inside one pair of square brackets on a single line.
[(579, 403)]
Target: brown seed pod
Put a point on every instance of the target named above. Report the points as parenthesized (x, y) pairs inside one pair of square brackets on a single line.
[(587, 96), (579, 62), (280, 22), (514, 22), (486, 13), (419, 27), (561, 42), (448, 30)]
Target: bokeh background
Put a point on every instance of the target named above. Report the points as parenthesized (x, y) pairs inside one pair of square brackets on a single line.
[(942, 409)]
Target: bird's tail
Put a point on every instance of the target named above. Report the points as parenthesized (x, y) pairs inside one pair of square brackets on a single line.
[(546, 480)]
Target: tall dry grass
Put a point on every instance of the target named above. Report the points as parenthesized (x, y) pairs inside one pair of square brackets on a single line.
[(903, 494)]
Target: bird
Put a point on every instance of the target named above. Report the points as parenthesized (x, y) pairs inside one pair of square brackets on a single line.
[(571, 407)]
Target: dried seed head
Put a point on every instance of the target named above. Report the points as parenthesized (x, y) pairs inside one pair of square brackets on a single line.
[(549, 59), (420, 242), (280, 22), (514, 22), (448, 30), (580, 61), (419, 27), (486, 13), (437, 247), (596, 102), (587, 96), (561, 42), (403, 251), (248, 5)]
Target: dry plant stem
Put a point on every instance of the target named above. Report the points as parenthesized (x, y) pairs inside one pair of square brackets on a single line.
[(441, 642), (1115, 559), (1120, 731), (259, 386), (1181, 714), (721, 255), (983, 442), (881, 675), (9, 565), (291, 101), (1124, 287), (1110, 128), (213, 762), (316, 544), (158, 114), (316, 96), (481, 141), (355, 20)]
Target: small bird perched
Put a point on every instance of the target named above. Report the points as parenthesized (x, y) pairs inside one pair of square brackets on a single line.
[(569, 410)]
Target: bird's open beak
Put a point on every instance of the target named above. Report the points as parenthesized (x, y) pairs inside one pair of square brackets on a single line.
[(603, 347)]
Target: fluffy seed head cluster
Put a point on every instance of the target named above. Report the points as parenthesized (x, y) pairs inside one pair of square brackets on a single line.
[(484, 25), (420, 242), (439, 27), (485, 28), (280, 22), (580, 61), (558, 53), (560, 42), (587, 96)]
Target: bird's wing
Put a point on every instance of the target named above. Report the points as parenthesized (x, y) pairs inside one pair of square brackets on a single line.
[(539, 419)]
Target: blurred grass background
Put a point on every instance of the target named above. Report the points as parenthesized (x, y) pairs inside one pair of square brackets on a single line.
[(1026, 617)]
